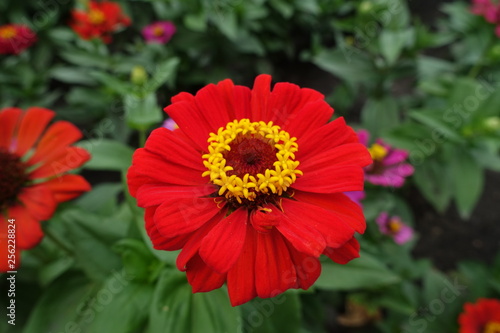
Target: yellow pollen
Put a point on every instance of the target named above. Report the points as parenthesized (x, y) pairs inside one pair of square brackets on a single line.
[(378, 152), (96, 16), (158, 31), (272, 181), (8, 32), (492, 327), (394, 225)]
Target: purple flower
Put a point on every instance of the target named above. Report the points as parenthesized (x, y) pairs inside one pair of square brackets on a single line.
[(159, 32), (356, 196), (389, 167), (170, 124), (393, 226)]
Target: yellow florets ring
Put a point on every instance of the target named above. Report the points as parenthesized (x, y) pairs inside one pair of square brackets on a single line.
[(246, 159)]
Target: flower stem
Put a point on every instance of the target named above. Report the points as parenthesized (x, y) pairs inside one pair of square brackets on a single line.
[(58, 242)]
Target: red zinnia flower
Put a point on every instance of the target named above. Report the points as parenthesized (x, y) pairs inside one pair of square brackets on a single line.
[(250, 187), (481, 317), (15, 38), (101, 19), (33, 179)]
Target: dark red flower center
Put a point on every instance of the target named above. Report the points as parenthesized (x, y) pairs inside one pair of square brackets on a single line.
[(250, 155), (12, 178)]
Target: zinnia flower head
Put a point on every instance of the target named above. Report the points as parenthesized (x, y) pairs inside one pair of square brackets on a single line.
[(34, 161), (250, 187), (480, 317), (100, 20), (389, 167), (159, 32), (394, 227), (15, 38), (487, 9)]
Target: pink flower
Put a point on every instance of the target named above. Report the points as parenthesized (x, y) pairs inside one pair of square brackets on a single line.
[(487, 9), (170, 124), (356, 196), (394, 227), (159, 32), (389, 167)]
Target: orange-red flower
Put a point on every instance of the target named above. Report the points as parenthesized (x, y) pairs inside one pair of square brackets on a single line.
[(34, 161), (250, 187), (99, 21), (15, 38), (480, 317)]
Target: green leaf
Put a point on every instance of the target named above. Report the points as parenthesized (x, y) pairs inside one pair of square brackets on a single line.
[(468, 180), (431, 68), (138, 261), (142, 112), (163, 72), (392, 43), (84, 58), (112, 82), (434, 119), (120, 306), (91, 242), (196, 22), (432, 179), (174, 306), (72, 75), (380, 115), (350, 66), (101, 200), (56, 310), (107, 154), (273, 315), (361, 273)]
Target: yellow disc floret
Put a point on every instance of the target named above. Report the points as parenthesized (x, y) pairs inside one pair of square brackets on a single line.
[(234, 184), (378, 152)]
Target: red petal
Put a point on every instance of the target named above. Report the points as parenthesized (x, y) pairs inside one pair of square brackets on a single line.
[(307, 268), (334, 231), (159, 241), (241, 277), (354, 154), (309, 118), (201, 277), (155, 194), (135, 180), (326, 137), (286, 99), (162, 171), (345, 253), (194, 242), (57, 137), (298, 231), (242, 97), (260, 96), (67, 187), (171, 148), (222, 246), (28, 230), (183, 215), (9, 118), (272, 264), (33, 124), (39, 201), (215, 104), (339, 205), (68, 159), (331, 179), (190, 119)]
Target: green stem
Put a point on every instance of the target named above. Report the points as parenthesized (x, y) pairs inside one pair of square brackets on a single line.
[(58, 242), (142, 137)]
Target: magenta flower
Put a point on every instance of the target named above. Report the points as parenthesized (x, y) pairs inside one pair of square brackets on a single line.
[(389, 166), (487, 9), (393, 226), (356, 196), (170, 124), (159, 32)]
